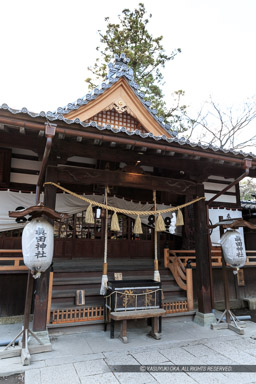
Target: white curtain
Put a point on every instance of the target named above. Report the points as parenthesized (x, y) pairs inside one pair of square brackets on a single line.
[(65, 203)]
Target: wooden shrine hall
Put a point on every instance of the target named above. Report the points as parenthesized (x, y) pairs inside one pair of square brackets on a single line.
[(112, 140)]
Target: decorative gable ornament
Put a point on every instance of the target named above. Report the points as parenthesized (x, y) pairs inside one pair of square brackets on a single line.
[(233, 249), (120, 106), (37, 245)]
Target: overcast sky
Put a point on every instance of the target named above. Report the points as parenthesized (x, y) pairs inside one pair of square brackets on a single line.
[(46, 47)]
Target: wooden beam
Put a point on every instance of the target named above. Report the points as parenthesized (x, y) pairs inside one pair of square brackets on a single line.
[(16, 140), (193, 168), (88, 176), (91, 133), (67, 147)]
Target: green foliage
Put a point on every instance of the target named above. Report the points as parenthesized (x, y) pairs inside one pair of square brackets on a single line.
[(147, 57), (247, 189)]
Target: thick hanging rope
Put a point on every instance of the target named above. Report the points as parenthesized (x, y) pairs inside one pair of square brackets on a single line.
[(104, 278), (124, 211), (156, 270)]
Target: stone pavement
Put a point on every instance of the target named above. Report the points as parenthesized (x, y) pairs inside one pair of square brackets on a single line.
[(86, 357)]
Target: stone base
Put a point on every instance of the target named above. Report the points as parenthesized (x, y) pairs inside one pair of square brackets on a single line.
[(204, 319), (251, 302), (33, 347)]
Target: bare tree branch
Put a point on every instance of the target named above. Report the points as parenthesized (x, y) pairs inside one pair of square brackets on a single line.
[(225, 128)]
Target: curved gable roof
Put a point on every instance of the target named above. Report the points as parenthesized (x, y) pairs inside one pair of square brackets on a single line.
[(119, 85)]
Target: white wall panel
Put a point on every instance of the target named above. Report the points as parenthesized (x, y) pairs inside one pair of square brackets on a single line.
[(26, 164), (217, 187), (222, 198), (23, 178)]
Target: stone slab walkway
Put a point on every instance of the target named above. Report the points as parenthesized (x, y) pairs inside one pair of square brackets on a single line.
[(87, 357)]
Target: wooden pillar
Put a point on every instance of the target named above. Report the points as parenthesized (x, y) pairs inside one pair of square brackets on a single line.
[(42, 284), (202, 259), (225, 277)]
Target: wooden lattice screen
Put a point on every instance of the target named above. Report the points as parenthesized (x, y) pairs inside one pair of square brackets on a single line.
[(72, 315), (116, 120)]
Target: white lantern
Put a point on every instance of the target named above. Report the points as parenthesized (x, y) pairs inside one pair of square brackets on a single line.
[(233, 248), (37, 245)]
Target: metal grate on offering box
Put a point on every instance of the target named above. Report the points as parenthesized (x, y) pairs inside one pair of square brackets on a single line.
[(133, 295)]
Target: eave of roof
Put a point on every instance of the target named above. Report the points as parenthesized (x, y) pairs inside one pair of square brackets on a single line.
[(54, 117), (249, 205)]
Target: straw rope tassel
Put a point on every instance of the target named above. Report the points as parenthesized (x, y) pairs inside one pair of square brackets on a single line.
[(114, 223), (104, 278), (159, 227), (156, 271), (89, 219), (179, 220), (137, 226)]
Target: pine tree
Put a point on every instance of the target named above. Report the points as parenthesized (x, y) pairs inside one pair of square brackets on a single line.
[(147, 58)]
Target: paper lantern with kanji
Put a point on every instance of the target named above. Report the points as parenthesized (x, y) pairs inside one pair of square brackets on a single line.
[(37, 245), (233, 248)]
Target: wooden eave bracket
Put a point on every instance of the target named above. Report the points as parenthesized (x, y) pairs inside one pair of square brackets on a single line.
[(50, 129), (233, 223), (37, 211)]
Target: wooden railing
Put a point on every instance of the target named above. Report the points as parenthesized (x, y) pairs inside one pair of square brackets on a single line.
[(183, 276), (12, 263), (185, 255), (177, 260)]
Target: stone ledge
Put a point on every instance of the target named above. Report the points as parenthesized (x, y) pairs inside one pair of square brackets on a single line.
[(251, 302)]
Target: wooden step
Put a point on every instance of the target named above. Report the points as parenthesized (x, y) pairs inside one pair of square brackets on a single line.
[(71, 275), (91, 265), (97, 280), (165, 273), (72, 292)]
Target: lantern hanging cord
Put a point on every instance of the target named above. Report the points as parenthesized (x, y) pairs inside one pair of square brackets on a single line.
[(120, 210)]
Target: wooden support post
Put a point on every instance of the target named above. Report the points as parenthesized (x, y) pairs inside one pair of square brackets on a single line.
[(28, 302), (166, 255), (190, 299), (123, 334), (49, 298), (225, 278), (210, 256), (42, 284), (160, 324), (202, 259), (155, 329), (112, 329)]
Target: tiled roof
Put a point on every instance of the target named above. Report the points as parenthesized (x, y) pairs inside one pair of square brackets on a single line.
[(250, 205), (117, 70), (53, 116)]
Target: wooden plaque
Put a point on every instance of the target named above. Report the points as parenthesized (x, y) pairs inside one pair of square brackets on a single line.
[(118, 276), (240, 278)]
